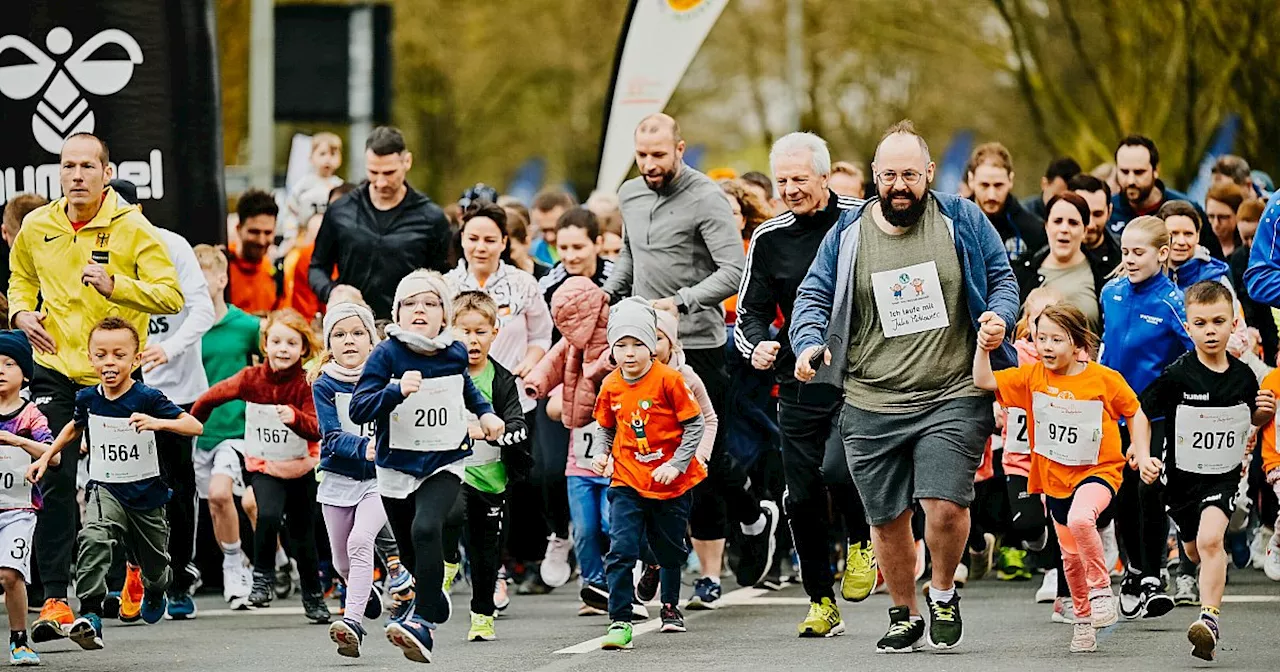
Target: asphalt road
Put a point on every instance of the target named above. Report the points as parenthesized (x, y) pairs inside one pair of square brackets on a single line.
[(1004, 630)]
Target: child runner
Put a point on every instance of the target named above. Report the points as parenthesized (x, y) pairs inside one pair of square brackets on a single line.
[(416, 387), (125, 499), (1207, 401), (348, 493), (1074, 406), (651, 427), (1271, 469), (24, 436), (1142, 333), (483, 500), (281, 453)]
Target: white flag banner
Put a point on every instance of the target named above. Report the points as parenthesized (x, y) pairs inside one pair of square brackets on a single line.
[(659, 41)]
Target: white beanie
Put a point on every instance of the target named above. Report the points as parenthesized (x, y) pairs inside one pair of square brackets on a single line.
[(421, 281), (633, 317), (341, 311), (669, 324)]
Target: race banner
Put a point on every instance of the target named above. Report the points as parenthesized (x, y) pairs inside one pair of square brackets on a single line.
[(658, 42), (140, 74)]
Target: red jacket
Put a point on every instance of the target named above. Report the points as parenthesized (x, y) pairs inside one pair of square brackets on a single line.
[(580, 360), (261, 385)]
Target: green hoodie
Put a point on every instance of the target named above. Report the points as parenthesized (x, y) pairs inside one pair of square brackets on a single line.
[(228, 347)]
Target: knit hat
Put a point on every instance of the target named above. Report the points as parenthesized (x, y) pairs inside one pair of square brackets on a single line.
[(421, 281), (669, 324), (15, 344), (633, 317), (341, 311)]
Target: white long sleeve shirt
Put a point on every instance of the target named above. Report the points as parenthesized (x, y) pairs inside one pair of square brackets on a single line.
[(182, 378)]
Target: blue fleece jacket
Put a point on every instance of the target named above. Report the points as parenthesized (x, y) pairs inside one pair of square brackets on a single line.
[(376, 396), (1145, 328), (340, 451), (1201, 267), (824, 310), (1263, 276)]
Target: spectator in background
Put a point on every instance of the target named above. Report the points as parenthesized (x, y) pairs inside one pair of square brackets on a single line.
[(750, 212), (1107, 173), (15, 211), (990, 176), (1054, 182), (847, 179), (311, 193), (1098, 244), (763, 186), (604, 204), (1220, 207), (1063, 264), (1231, 169), (611, 238), (298, 294), (255, 284), (518, 248), (1142, 192), (548, 205), (1256, 314)]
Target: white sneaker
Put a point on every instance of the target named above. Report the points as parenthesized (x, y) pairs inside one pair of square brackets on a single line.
[(1084, 639), (1258, 548), (1110, 547), (961, 576), (1048, 591), (237, 582), (1063, 611), (1272, 564), (1104, 610), (555, 567)]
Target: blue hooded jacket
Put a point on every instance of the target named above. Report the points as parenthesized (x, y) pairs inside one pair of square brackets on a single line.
[(340, 452), (1263, 274), (1199, 267), (1145, 328)]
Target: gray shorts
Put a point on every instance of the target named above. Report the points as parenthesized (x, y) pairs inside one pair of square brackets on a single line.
[(897, 458)]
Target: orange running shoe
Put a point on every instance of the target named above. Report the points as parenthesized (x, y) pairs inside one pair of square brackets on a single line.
[(55, 619), (131, 596)]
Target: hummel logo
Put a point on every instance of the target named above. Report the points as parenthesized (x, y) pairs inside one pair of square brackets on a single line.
[(62, 110), (50, 239)]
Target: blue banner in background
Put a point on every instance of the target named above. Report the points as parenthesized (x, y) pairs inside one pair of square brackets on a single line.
[(951, 165), (1224, 139), (526, 182)]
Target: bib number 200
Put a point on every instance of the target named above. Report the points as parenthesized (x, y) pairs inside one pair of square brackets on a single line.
[(430, 417)]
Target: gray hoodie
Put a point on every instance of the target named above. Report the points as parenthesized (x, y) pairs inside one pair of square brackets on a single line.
[(682, 242)]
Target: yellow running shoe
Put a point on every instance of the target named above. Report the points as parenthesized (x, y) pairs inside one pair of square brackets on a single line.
[(481, 629), (859, 572), (823, 620), (451, 570)]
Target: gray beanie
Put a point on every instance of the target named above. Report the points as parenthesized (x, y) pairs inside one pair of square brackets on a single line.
[(421, 281), (341, 311), (633, 317)]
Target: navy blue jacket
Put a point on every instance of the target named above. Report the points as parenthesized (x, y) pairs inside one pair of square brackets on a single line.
[(340, 452)]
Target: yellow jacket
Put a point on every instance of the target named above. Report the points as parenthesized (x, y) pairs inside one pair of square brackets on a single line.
[(46, 263)]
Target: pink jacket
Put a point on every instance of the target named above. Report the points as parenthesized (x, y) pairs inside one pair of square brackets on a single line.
[(580, 360)]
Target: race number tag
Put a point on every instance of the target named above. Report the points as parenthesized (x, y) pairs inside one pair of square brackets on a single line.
[(1016, 440), (1211, 440), (910, 300), (267, 438), (120, 454), (583, 445), (367, 430), (1067, 431), (431, 419), (15, 491), (482, 453)]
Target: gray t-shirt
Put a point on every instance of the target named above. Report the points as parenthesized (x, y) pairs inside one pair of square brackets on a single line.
[(909, 372), (1076, 285)]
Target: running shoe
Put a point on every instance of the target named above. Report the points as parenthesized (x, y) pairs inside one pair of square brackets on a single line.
[(1261, 538), (1012, 565), (1131, 596), (348, 635), (756, 551), (859, 572), (263, 589), (131, 596), (400, 609), (286, 579), (87, 632), (1271, 566), (1238, 548), (595, 596), (1186, 591), (534, 585), (980, 561), (647, 587), (111, 605), (773, 579), (1084, 639), (22, 655), (316, 611), (414, 637), (672, 619), (400, 582), (501, 591), (1155, 603), (706, 595), (237, 583), (618, 636), (585, 609), (1048, 590), (555, 569), (639, 612), (374, 607), (946, 629), (481, 629), (54, 621), (451, 571), (181, 607), (1063, 611), (904, 635), (1241, 506), (823, 620), (1203, 635), (154, 606), (1103, 607)]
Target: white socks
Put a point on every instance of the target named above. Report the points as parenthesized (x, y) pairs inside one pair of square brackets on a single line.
[(281, 558), (231, 555), (939, 596), (755, 528)]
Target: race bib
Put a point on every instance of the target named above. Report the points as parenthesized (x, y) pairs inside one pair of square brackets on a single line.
[(910, 300), (15, 491), (367, 430), (120, 454), (482, 453), (583, 445), (1067, 431), (267, 438), (1211, 440), (1017, 440), (431, 419)]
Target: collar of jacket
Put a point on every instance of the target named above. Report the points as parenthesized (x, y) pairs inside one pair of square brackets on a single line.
[(109, 209), (412, 197), (823, 218)]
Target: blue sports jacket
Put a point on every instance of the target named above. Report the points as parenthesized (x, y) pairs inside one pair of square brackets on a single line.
[(1144, 330), (1263, 276)]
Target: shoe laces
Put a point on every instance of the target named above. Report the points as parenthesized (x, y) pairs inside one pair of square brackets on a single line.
[(899, 627), (943, 612)]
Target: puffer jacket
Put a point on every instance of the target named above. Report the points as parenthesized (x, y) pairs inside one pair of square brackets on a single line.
[(580, 360)]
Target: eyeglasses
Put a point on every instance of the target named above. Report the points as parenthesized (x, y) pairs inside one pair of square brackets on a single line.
[(1221, 218), (887, 178), (425, 304)]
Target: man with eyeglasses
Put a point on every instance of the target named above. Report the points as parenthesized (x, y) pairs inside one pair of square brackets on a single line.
[(929, 281)]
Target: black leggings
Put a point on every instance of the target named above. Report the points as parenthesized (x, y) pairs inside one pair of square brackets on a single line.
[(418, 524), (178, 471), (1143, 530), (1027, 520), (481, 515), (290, 502)]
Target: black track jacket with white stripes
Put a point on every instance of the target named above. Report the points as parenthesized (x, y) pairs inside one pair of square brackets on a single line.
[(781, 251)]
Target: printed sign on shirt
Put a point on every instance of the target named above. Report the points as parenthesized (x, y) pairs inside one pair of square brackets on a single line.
[(910, 300)]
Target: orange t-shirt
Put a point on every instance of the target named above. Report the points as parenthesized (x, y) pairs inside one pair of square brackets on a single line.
[(297, 287), (252, 287), (1270, 454), (1018, 388), (647, 415)]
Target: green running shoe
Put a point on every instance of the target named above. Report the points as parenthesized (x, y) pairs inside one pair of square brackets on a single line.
[(859, 572), (1012, 565), (617, 637)]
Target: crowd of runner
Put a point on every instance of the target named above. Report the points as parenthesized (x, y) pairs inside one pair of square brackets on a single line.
[(364, 395)]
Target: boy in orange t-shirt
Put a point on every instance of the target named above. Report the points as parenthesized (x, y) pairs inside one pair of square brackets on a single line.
[(652, 425)]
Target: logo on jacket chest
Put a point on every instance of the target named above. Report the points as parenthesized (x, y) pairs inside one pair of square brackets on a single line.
[(1151, 319)]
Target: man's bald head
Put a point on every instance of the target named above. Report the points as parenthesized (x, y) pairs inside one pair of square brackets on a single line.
[(660, 124), (899, 135), (659, 150)]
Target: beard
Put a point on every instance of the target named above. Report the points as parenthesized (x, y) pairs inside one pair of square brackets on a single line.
[(1142, 193), (661, 181), (906, 217)]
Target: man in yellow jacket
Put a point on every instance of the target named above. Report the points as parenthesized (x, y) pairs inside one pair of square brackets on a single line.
[(75, 261)]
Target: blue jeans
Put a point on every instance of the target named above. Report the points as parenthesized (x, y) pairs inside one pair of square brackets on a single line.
[(589, 511), (633, 520)]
